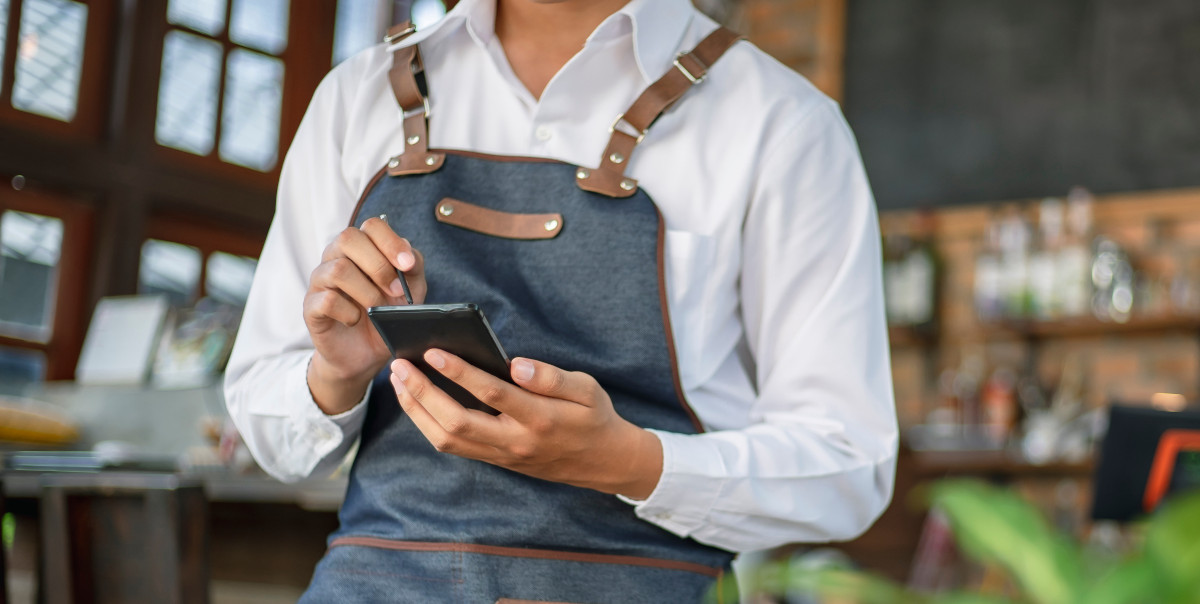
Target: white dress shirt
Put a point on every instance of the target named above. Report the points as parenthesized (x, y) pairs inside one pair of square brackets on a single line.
[(773, 263)]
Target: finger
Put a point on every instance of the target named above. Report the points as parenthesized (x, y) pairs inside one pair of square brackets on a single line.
[(489, 389), (441, 439), (454, 418), (550, 381), (398, 251), (344, 275), (364, 250), (330, 305)]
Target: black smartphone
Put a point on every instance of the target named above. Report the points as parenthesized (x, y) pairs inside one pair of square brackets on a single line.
[(460, 329)]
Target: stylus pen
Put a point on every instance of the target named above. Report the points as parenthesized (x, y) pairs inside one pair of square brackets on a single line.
[(400, 273)]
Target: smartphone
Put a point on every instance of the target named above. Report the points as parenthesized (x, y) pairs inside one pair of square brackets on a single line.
[(460, 329)]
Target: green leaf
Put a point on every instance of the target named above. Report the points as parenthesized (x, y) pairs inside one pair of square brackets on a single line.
[(1173, 546), (997, 526), (1135, 580)]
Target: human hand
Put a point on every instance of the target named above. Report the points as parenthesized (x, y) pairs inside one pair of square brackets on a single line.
[(555, 425), (357, 271)]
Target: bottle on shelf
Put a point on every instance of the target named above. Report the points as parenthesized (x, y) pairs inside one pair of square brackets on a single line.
[(1074, 270), (1045, 302), (989, 304), (1112, 282), (922, 273), (1014, 263)]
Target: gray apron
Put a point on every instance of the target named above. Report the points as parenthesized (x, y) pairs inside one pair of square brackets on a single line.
[(567, 264)]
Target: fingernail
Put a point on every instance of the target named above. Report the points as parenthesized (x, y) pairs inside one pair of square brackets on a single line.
[(398, 368), (405, 260), (522, 370), (396, 288), (435, 358)]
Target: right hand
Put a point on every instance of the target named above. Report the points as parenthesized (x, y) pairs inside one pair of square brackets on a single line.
[(357, 271)]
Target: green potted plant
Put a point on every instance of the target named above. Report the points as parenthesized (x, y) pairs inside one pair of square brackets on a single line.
[(995, 526)]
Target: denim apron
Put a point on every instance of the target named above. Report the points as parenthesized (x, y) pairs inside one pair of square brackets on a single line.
[(567, 264)]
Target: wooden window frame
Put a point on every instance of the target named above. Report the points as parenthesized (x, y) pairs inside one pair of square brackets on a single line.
[(72, 280), (207, 236), (296, 90), (91, 105)]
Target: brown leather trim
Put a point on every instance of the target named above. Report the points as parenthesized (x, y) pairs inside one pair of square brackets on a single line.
[(500, 158), (521, 552), (609, 178), (416, 158), (662, 300), (366, 190), (496, 223)]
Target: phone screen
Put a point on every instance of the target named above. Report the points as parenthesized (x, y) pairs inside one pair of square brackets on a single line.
[(461, 329)]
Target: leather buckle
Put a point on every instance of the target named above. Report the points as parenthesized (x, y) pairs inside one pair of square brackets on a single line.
[(684, 70), (400, 35), (424, 108), (632, 131)]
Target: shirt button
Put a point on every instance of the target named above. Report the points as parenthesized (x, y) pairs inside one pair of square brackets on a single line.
[(543, 133)]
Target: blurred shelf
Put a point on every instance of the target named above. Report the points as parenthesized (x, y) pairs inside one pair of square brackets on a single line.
[(1088, 326), (995, 463)]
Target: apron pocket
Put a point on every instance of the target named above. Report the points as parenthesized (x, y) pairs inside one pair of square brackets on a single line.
[(506, 225)]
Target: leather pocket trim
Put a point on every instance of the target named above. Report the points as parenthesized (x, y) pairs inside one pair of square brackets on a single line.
[(496, 223)]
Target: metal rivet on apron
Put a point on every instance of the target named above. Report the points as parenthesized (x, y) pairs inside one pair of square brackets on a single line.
[(581, 174), (394, 162), (616, 158), (627, 184), (551, 224), (446, 209), (414, 139), (429, 161)]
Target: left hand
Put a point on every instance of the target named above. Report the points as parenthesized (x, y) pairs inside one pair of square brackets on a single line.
[(555, 425)]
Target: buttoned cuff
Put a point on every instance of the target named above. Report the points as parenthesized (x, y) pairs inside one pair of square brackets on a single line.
[(295, 437), (692, 479), (319, 432)]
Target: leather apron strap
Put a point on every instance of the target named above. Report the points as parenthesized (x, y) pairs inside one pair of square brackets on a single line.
[(406, 64), (690, 68)]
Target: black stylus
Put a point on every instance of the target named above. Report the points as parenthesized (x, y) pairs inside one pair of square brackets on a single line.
[(399, 273)]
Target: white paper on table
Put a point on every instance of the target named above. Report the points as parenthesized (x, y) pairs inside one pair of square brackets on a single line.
[(121, 340)]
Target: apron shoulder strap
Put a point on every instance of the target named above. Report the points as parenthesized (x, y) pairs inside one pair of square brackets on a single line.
[(689, 69), (406, 64)]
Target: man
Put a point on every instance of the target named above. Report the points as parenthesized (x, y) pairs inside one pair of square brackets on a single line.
[(691, 294)]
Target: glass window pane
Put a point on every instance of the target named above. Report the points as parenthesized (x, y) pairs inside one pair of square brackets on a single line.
[(172, 269), (187, 93), (359, 25), (427, 12), (205, 16), (260, 24), (3, 33), (30, 246), (228, 277), (250, 121), (20, 368), (50, 57)]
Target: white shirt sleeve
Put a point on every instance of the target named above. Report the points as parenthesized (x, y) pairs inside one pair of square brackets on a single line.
[(266, 385), (817, 461)]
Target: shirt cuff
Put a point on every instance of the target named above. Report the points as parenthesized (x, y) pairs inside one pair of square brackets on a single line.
[(692, 479)]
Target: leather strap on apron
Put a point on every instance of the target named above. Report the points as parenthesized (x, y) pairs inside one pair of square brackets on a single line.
[(609, 178)]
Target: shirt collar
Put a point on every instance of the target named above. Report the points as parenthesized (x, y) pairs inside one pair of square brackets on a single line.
[(658, 26)]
